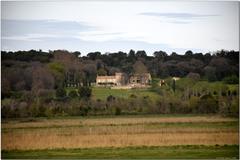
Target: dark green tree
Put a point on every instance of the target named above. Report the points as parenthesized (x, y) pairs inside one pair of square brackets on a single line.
[(85, 92), (231, 80), (77, 53), (60, 92), (73, 94), (173, 85)]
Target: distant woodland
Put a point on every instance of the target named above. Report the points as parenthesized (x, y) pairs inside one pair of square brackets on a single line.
[(34, 82)]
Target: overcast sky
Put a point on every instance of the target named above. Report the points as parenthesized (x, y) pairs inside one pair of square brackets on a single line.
[(113, 26)]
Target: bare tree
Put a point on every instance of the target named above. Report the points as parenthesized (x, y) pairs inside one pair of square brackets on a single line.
[(139, 67)]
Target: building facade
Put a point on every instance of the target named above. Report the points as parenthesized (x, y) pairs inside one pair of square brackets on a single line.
[(118, 79), (141, 79)]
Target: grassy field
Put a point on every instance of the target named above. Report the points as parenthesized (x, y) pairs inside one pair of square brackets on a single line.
[(103, 93), (170, 152), (121, 137)]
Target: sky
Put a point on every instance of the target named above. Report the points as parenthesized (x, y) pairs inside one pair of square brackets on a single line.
[(108, 26)]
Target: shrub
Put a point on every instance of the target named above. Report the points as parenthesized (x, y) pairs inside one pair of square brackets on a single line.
[(224, 106), (110, 98), (73, 94), (207, 104), (224, 89), (234, 108), (85, 92), (118, 111), (231, 80), (234, 92), (48, 112), (193, 76), (133, 96), (210, 73), (84, 110), (60, 92)]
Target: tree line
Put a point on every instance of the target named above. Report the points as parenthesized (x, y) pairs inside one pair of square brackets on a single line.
[(36, 79)]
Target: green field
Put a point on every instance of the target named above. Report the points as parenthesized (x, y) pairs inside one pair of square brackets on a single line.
[(186, 152), (103, 93)]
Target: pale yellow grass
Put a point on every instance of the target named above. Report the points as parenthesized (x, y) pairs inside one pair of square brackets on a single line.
[(114, 121), (117, 132), (46, 140)]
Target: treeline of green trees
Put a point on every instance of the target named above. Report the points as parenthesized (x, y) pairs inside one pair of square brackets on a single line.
[(34, 83), (198, 97), (213, 67)]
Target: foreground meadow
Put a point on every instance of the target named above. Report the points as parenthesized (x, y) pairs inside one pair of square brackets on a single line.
[(121, 137)]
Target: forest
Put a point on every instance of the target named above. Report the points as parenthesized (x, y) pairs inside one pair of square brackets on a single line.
[(34, 83)]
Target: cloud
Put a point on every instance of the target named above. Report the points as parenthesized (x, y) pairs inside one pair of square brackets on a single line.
[(74, 25), (101, 36), (178, 15), (37, 29), (84, 46), (178, 18), (30, 37), (176, 21)]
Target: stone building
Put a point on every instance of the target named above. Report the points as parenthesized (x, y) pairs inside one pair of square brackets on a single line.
[(118, 79), (141, 79)]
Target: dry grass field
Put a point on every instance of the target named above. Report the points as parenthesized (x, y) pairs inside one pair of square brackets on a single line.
[(118, 132), (76, 122)]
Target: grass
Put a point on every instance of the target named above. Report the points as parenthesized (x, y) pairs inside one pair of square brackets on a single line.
[(128, 120), (156, 136), (119, 132), (144, 152), (233, 124), (103, 93)]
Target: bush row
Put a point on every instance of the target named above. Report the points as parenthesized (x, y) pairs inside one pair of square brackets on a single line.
[(45, 107)]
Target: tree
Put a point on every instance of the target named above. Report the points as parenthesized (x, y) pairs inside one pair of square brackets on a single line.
[(188, 53), (196, 65), (173, 85), (222, 67), (193, 76), (72, 94), (6, 88), (139, 68), (90, 73), (174, 54), (141, 54), (60, 92), (131, 54), (93, 55), (111, 98), (118, 111), (77, 53), (41, 78), (58, 71), (160, 54), (231, 80), (210, 73), (207, 104), (85, 92), (102, 72), (183, 68), (113, 70)]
